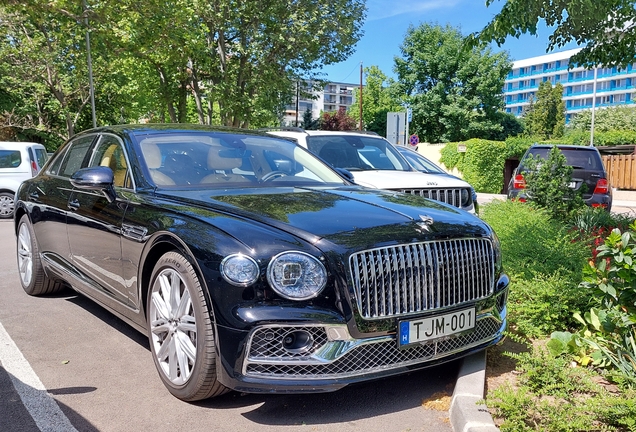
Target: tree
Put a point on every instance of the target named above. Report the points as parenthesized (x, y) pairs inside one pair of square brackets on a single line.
[(175, 61), (606, 29), (378, 99), (308, 121), (455, 93), (607, 119), (545, 117), (337, 121), (548, 184)]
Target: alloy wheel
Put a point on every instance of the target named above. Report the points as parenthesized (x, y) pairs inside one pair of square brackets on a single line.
[(25, 255), (173, 326)]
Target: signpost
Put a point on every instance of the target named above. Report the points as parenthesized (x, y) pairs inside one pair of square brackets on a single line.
[(414, 140)]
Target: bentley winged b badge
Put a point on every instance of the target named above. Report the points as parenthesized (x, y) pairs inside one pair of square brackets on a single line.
[(426, 223)]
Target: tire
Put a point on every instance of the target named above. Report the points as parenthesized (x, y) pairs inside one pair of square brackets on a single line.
[(7, 205), (180, 331), (33, 279)]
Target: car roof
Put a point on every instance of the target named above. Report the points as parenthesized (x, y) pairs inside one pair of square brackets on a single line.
[(293, 132), (565, 146)]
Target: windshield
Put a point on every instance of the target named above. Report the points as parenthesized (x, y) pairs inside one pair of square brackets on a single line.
[(357, 153), (420, 163), (228, 160), (577, 158)]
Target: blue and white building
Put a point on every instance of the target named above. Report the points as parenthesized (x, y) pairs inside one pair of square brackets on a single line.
[(613, 86)]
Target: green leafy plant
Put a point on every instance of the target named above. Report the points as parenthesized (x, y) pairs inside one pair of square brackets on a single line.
[(608, 336)]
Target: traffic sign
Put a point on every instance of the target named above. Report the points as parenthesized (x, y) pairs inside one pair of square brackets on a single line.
[(414, 140), (409, 115)]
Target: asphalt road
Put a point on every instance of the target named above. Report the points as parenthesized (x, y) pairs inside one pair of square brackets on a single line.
[(66, 364)]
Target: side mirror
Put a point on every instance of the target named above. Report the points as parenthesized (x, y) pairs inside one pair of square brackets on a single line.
[(345, 173), (98, 179)]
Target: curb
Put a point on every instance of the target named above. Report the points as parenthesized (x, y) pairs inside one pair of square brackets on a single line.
[(466, 414)]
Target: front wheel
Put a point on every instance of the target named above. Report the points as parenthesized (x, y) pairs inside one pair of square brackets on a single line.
[(180, 330)]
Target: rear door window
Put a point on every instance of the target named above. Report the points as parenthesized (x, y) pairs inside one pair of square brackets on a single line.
[(41, 157), (73, 159), (10, 158)]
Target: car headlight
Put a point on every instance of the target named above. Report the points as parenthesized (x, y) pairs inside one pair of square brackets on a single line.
[(296, 275), (466, 197), (239, 270), (496, 245)]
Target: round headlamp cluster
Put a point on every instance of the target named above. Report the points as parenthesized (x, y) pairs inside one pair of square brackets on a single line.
[(239, 270), (296, 275), (466, 197)]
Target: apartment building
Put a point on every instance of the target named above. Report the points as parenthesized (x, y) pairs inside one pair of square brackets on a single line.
[(331, 97), (614, 86)]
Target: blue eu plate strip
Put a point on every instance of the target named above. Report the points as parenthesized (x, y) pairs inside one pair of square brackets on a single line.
[(404, 332)]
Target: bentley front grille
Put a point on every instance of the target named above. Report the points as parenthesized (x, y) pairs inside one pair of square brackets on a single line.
[(413, 278), (448, 196)]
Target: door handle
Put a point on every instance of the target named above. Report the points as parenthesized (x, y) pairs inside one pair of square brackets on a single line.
[(73, 205)]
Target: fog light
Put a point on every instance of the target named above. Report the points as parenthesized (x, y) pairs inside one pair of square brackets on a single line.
[(298, 341)]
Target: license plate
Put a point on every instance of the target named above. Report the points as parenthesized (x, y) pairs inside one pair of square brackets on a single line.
[(425, 329)]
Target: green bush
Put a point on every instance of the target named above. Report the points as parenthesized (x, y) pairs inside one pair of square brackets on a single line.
[(547, 185), (608, 138), (482, 164), (544, 263)]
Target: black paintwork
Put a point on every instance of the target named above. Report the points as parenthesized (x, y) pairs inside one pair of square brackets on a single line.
[(106, 249)]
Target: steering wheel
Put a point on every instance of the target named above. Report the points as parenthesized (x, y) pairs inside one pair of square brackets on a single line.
[(273, 175)]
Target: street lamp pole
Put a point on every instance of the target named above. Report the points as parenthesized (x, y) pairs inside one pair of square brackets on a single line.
[(91, 89), (593, 106)]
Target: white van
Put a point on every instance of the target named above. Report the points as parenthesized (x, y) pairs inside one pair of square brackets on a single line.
[(19, 161)]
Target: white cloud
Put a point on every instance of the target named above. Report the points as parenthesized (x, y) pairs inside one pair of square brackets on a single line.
[(381, 9)]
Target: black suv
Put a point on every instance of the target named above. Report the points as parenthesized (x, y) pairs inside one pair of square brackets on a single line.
[(587, 169)]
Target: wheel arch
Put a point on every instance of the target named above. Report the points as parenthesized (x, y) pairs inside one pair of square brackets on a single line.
[(160, 245)]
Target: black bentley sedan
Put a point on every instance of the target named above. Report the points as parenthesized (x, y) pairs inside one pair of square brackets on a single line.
[(252, 265)]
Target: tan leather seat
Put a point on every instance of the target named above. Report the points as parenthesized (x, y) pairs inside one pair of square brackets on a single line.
[(116, 161), (222, 165), (152, 155)]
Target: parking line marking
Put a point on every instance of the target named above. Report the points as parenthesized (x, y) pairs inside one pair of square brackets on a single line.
[(43, 408)]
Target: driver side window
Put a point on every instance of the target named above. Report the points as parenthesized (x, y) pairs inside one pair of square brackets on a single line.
[(109, 153)]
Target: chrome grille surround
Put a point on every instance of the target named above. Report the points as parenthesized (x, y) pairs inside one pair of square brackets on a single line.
[(408, 279), (452, 196), (354, 357)]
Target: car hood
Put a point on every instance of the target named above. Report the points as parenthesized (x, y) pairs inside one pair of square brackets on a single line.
[(350, 216), (406, 180)]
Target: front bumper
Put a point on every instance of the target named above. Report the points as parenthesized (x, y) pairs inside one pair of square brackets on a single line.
[(336, 359)]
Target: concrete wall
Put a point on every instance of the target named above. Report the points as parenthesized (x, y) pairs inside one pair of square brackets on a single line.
[(433, 153)]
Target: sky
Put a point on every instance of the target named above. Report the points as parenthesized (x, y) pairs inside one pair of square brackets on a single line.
[(388, 20)]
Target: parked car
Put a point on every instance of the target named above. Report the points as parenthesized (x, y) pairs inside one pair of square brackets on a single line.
[(374, 162), (252, 265), (423, 164), (18, 161), (588, 174)]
